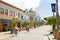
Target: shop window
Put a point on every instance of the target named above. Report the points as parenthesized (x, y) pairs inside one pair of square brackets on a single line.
[(1, 10), (6, 11)]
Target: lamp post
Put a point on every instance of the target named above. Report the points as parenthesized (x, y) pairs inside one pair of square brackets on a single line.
[(57, 18), (57, 15)]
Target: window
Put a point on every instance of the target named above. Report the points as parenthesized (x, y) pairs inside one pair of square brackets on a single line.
[(18, 15), (22, 17), (13, 13), (6, 11), (10, 13), (1, 10)]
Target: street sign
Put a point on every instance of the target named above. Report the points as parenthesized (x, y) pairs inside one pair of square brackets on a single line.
[(53, 6)]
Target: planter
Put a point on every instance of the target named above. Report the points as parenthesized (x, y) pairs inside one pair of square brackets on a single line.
[(30, 26), (35, 26), (21, 29), (54, 33), (58, 36)]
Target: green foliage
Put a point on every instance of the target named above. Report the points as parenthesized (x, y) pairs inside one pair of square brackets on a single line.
[(37, 23), (14, 21), (6, 29), (51, 20), (25, 23)]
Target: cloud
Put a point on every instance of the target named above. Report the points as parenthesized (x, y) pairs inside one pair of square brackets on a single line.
[(59, 4), (31, 3), (24, 3)]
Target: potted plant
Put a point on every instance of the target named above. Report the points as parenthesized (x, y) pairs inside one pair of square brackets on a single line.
[(25, 23), (35, 24), (13, 23), (51, 21), (55, 33)]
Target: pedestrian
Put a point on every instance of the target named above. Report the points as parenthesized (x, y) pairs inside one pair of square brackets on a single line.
[(27, 28), (12, 30), (16, 30)]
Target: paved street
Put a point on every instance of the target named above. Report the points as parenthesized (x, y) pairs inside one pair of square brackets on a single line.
[(39, 33)]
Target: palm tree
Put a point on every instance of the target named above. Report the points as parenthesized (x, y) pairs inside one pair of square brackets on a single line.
[(25, 23), (51, 21), (13, 23), (37, 23)]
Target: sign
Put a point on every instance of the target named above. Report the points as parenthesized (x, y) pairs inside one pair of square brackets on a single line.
[(53, 6)]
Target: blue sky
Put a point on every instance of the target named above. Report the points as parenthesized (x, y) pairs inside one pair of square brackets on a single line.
[(42, 7)]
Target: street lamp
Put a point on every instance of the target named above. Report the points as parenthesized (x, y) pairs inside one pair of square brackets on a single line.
[(57, 15), (57, 18)]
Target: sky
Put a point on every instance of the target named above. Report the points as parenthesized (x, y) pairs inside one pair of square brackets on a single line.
[(42, 7)]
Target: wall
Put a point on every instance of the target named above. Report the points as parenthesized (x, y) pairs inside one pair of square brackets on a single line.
[(0, 26), (10, 8)]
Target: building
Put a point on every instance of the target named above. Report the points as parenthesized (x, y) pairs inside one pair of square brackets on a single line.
[(38, 18), (7, 13)]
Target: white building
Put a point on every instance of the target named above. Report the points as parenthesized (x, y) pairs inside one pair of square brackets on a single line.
[(7, 13)]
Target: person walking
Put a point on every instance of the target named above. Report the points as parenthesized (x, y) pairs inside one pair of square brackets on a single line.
[(16, 30), (12, 30)]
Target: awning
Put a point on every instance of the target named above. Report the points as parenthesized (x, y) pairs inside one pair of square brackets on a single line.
[(5, 20)]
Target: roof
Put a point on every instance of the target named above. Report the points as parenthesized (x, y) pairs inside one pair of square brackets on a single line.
[(10, 5)]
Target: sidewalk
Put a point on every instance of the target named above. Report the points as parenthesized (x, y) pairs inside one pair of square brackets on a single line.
[(42, 31), (4, 35)]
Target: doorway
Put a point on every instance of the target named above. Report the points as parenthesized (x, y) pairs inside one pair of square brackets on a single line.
[(5, 27)]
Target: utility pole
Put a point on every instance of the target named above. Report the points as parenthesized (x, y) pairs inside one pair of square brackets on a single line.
[(57, 18)]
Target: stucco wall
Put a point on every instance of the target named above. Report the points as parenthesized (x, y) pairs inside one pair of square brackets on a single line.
[(10, 8)]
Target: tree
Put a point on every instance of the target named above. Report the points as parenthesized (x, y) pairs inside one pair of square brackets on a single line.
[(37, 23), (14, 21), (25, 23), (51, 21)]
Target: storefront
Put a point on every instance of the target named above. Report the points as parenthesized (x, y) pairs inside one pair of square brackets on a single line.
[(5, 24)]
